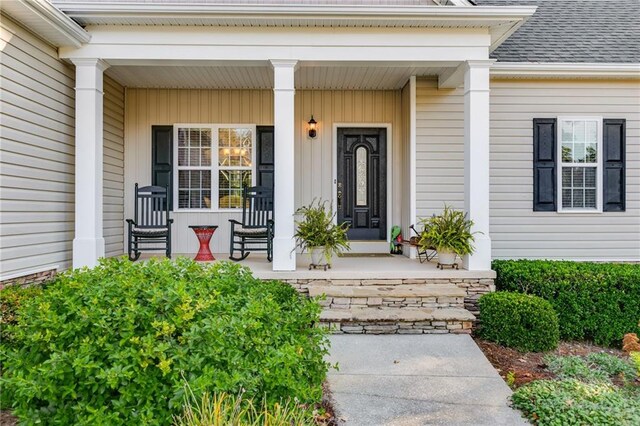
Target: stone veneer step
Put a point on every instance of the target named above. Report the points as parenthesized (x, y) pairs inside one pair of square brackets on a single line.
[(385, 320), (410, 291), (395, 314)]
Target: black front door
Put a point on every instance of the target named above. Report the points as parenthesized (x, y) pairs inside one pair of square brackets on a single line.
[(362, 182)]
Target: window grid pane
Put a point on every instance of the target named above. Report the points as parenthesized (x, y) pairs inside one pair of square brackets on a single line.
[(579, 156), (579, 187), (195, 167)]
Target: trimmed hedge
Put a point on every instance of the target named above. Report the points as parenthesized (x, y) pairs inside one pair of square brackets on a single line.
[(524, 322), (599, 302), (117, 344)]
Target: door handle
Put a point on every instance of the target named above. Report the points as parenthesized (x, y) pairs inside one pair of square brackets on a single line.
[(339, 199)]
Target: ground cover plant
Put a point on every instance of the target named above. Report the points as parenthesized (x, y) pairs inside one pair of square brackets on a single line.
[(520, 321), (598, 302), (597, 389), (116, 344)]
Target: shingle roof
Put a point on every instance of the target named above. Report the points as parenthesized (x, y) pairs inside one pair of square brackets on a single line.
[(599, 31)]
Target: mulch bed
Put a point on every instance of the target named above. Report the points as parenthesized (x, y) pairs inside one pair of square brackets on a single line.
[(6, 419), (528, 367)]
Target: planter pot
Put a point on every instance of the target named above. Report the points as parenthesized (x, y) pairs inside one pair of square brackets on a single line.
[(317, 255), (446, 257)]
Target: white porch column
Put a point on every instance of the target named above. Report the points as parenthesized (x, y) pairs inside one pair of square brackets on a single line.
[(284, 255), (476, 160), (88, 243)]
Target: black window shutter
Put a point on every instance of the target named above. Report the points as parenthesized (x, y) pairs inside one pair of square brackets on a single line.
[(613, 138), (162, 159), (265, 156), (544, 165)]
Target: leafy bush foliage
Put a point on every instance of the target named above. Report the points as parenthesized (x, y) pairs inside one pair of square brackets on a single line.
[(635, 357), (520, 321), (114, 345), (594, 301), (11, 298), (572, 402), (223, 409)]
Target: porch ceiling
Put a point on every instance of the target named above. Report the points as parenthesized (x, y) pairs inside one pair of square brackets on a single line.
[(357, 77)]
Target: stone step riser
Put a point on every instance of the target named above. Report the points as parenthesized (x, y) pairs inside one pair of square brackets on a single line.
[(400, 327), (393, 302)]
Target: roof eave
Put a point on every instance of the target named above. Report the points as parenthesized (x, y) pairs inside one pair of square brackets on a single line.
[(85, 10), (45, 18), (565, 70)]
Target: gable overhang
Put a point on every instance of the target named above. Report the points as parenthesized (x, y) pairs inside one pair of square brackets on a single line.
[(498, 22), (46, 21)]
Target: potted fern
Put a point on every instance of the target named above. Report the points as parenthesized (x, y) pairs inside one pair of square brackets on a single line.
[(318, 234), (450, 233)]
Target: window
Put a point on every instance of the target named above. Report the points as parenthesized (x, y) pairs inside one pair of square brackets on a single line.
[(214, 164), (580, 172)]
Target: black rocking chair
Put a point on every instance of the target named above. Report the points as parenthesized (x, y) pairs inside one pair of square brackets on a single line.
[(255, 232), (150, 228)]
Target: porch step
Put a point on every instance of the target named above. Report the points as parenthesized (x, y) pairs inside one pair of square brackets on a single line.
[(400, 290), (385, 320), (398, 296)]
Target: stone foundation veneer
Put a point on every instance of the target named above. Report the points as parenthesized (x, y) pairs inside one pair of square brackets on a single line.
[(473, 288), (384, 327), (30, 279)]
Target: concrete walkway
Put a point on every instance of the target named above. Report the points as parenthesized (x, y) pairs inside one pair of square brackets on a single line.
[(416, 380)]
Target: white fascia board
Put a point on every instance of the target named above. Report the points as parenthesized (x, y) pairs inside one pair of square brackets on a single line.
[(565, 70), (251, 14), (136, 44), (45, 18)]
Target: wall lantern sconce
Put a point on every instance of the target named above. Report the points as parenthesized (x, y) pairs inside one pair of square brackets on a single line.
[(313, 132)]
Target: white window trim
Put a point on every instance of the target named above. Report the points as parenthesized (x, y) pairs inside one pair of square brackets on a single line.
[(215, 184), (598, 165)]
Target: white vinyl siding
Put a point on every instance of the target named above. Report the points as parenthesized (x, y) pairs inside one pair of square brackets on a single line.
[(516, 230), (113, 196), (36, 154), (313, 158), (439, 148)]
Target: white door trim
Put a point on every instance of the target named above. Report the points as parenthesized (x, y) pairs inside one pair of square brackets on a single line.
[(334, 153)]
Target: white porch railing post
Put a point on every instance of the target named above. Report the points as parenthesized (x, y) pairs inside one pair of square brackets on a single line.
[(476, 160), (284, 256), (88, 243)]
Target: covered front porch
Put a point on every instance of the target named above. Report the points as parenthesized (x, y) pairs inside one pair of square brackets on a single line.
[(360, 76)]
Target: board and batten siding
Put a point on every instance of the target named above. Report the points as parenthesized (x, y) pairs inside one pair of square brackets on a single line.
[(113, 173), (314, 158), (516, 230), (36, 154)]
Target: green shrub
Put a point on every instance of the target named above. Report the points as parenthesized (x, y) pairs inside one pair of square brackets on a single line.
[(114, 345), (599, 302), (572, 402), (11, 298), (519, 321)]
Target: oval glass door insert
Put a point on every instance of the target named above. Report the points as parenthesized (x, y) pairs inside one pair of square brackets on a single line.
[(361, 176)]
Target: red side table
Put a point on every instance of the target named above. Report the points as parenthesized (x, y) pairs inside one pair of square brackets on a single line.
[(204, 234)]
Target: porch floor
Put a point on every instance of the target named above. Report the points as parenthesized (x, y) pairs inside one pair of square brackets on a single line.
[(344, 268)]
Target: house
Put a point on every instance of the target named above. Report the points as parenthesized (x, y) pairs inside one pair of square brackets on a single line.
[(526, 114)]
